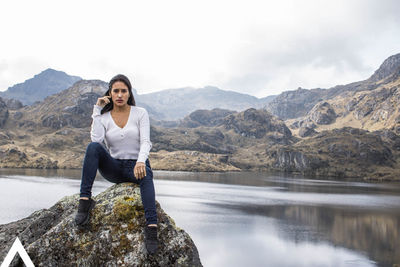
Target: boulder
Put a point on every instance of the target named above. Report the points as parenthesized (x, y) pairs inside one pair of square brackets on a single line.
[(306, 131), (203, 117), (322, 113), (114, 237)]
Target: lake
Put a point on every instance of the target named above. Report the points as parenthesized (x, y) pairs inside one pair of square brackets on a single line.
[(247, 218)]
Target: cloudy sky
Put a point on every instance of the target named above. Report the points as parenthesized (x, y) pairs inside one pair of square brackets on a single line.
[(255, 47)]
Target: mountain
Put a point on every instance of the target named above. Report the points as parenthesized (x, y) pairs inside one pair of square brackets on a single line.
[(372, 105), (173, 104), (165, 107), (46, 83), (297, 103)]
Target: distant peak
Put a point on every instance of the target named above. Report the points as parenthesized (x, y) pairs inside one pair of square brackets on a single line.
[(388, 67), (211, 87), (49, 71)]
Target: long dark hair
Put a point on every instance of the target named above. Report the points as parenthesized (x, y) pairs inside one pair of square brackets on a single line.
[(125, 80)]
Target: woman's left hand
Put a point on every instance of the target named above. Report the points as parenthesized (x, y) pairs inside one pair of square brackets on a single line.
[(140, 170)]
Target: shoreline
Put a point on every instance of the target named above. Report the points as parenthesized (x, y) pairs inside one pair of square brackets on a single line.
[(292, 175)]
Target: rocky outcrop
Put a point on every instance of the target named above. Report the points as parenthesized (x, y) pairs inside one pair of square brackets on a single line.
[(379, 104), (13, 157), (208, 118), (256, 124), (77, 116), (307, 131), (389, 137), (3, 112), (72, 107), (244, 128), (296, 103), (13, 104), (115, 236), (389, 66), (296, 161), (322, 113), (346, 152)]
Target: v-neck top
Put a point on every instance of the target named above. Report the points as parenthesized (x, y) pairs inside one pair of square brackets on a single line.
[(126, 121), (130, 142)]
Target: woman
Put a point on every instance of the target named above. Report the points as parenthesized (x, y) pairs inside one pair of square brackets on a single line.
[(125, 129)]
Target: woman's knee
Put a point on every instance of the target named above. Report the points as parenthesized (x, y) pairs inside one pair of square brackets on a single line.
[(93, 147), (149, 173)]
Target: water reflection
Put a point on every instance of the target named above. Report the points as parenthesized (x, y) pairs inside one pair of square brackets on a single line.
[(249, 219), (374, 233)]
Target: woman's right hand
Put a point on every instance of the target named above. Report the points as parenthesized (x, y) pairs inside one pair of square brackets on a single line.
[(102, 101)]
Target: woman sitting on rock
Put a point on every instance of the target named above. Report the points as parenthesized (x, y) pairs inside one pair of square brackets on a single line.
[(125, 129)]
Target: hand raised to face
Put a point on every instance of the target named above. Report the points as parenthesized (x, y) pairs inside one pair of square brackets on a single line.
[(102, 101)]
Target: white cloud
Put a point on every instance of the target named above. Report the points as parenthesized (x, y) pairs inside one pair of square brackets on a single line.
[(256, 47)]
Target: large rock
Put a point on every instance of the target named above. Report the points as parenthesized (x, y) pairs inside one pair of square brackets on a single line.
[(296, 103), (203, 117), (115, 236), (296, 161), (306, 131), (322, 113), (256, 124)]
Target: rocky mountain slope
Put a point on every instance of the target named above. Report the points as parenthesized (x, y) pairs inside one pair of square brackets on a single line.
[(372, 110), (295, 104), (46, 83), (115, 236)]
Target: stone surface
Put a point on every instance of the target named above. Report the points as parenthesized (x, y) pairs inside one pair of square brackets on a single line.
[(13, 104), (203, 117), (256, 124), (306, 131), (115, 236), (322, 113)]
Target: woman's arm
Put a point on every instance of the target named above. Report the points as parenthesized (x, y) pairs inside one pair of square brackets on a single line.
[(145, 143), (97, 132)]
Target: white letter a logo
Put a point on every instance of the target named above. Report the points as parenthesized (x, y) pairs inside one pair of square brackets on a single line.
[(17, 247)]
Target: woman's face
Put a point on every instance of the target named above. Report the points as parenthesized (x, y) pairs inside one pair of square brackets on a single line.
[(119, 93)]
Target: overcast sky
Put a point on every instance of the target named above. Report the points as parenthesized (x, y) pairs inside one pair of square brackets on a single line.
[(255, 47)]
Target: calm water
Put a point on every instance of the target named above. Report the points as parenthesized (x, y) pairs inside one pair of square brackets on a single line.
[(248, 219)]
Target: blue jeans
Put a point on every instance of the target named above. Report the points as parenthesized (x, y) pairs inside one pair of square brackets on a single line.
[(117, 171)]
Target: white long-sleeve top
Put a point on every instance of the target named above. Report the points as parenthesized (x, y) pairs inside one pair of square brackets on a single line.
[(130, 142)]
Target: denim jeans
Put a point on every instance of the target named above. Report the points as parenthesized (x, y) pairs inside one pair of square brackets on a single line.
[(117, 171)]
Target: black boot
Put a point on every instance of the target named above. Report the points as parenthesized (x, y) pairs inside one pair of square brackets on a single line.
[(151, 239), (84, 208)]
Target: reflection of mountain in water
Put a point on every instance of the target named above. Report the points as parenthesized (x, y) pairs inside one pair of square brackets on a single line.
[(372, 232)]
